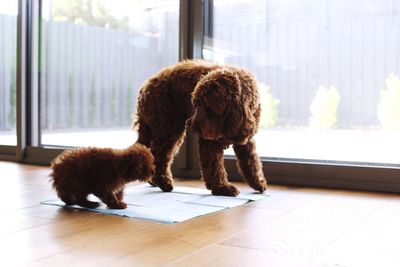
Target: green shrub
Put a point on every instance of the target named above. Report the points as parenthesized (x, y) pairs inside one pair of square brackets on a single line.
[(389, 104), (269, 107), (324, 108)]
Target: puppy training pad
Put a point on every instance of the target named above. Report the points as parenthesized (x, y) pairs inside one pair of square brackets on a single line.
[(183, 203)]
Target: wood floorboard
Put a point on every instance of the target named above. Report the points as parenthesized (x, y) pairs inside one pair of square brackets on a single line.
[(294, 226)]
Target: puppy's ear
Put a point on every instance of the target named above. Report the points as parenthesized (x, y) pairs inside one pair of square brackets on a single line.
[(123, 164)]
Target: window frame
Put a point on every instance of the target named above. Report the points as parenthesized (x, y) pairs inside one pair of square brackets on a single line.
[(194, 23), (16, 153), (299, 172)]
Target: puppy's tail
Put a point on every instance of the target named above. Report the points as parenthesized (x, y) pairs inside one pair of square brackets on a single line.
[(54, 170)]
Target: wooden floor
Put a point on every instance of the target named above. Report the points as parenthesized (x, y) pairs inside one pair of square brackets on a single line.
[(293, 227)]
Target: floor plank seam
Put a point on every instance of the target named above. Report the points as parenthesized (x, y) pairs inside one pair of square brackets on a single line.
[(351, 228)]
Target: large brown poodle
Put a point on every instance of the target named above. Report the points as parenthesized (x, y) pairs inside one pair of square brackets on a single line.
[(220, 103), (99, 171)]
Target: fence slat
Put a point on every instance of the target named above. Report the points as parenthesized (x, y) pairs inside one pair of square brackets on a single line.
[(90, 75)]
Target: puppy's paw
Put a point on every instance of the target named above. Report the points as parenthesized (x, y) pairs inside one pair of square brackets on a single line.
[(68, 201), (226, 190), (88, 204), (118, 206), (163, 182)]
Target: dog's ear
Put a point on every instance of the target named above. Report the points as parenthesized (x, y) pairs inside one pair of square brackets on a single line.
[(199, 115), (219, 89), (250, 122), (214, 100), (242, 119), (234, 120)]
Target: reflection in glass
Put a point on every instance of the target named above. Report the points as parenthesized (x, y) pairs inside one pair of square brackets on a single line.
[(94, 57), (328, 72), (8, 70)]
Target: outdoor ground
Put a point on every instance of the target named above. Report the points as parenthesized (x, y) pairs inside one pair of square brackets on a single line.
[(373, 146)]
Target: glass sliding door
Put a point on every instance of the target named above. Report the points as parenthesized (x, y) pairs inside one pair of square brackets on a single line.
[(8, 72), (94, 56), (328, 72)]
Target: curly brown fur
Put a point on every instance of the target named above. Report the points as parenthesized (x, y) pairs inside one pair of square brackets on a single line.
[(100, 171), (220, 103)]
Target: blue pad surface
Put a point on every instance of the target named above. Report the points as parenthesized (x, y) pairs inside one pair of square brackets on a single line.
[(183, 203)]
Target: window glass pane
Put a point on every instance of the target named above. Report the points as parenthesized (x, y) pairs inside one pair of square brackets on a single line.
[(94, 56), (8, 70), (329, 74)]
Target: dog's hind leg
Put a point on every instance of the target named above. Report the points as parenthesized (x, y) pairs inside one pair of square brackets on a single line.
[(144, 136), (164, 148), (144, 133), (212, 167), (250, 166)]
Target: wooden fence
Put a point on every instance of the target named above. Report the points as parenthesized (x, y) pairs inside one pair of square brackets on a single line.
[(8, 48), (89, 76), (296, 50)]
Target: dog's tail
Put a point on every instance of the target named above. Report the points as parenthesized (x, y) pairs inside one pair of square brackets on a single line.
[(144, 133)]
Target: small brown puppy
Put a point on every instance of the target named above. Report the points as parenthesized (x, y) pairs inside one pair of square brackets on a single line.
[(99, 171)]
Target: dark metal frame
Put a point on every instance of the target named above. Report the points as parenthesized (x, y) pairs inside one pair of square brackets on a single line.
[(195, 22), (16, 153), (28, 123)]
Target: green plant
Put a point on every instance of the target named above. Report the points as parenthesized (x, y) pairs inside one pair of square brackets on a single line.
[(90, 12), (269, 107), (324, 108), (389, 104)]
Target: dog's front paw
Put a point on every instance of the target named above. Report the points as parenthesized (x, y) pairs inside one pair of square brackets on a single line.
[(152, 184), (261, 186), (118, 206), (163, 182), (226, 190)]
